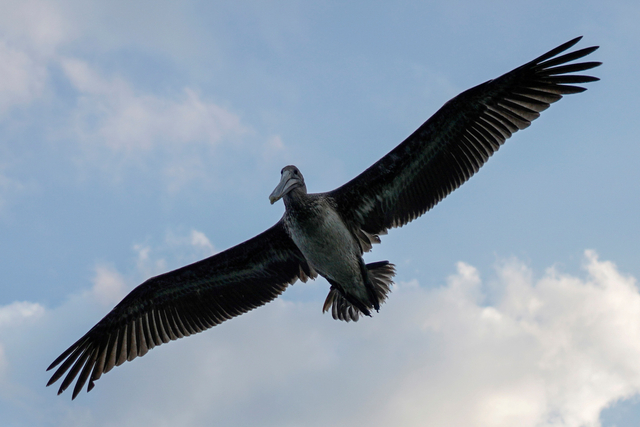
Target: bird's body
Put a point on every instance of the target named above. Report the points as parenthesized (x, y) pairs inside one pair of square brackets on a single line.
[(326, 243), (332, 249), (327, 233)]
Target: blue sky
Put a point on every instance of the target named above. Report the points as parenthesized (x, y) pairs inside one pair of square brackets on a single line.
[(138, 136)]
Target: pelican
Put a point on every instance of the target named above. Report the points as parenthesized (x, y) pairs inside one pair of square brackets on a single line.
[(326, 234)]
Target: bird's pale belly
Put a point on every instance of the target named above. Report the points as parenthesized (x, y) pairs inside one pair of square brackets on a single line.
[(329, 247)]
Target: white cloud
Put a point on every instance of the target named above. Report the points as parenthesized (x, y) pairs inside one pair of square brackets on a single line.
[(179, 248), (553, 351), (200, 240), (17, 316), (549, 351), (18, 312), (146, 266), (108, 286)]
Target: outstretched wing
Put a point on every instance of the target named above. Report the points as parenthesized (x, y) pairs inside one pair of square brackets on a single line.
[(457, 140), (184, 302)]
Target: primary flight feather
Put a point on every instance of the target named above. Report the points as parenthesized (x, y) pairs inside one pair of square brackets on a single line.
[(327, 233)]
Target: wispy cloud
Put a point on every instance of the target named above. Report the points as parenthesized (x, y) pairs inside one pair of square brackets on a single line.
[(9, 187), (178, 248), (32, 31), (22, 78), (110, 112), (117, 126)]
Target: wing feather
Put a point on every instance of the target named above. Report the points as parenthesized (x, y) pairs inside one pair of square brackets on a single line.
[(184, 302), (455, 142)]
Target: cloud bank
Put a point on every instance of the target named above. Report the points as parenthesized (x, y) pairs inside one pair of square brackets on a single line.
[(515, 350)]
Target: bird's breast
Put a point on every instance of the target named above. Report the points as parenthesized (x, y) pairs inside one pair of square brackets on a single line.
[(326, 242)]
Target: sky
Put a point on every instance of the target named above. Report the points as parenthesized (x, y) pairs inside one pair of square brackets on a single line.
[(139, 136)]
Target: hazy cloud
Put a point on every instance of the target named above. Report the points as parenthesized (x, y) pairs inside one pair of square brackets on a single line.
[(38, 25), (274, 147), (9, 187)]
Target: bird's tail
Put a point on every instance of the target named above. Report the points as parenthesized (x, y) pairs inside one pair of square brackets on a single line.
[(381, 274), (348, 308)]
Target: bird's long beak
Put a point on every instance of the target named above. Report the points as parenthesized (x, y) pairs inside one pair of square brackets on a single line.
[(287, 182)]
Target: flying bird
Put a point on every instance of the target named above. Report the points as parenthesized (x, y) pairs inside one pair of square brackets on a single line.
[(326, 234)]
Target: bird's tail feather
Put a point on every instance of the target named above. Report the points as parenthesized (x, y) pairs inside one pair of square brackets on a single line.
[(344, 308), (381, 274)]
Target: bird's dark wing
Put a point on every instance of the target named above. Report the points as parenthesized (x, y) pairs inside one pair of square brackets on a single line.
[(457, 140), (184, 302)]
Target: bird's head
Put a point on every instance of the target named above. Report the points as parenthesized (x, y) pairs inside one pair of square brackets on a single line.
[(291, 178)]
